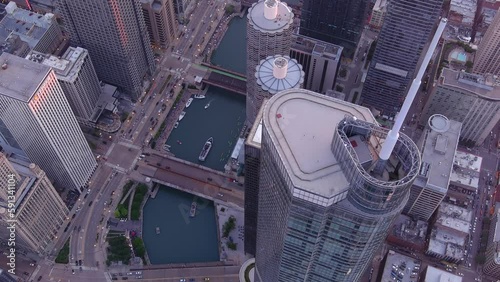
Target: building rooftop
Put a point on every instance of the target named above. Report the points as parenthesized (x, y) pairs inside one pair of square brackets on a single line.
[(282, 20), (294, 76), (399, 265), (440, 141), (29, 26), (409, 230), (20, 78), (302, 124), (319, 48), (437, 275), (446, 243), (66, 67), (485, 86), (454, 217), (254, 138), (466, 8), (466, 169)]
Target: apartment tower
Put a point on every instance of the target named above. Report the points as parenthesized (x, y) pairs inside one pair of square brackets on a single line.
[(37, 115), (159, 17), (404, 36), (326, 200), (269, 31), (337, 22), (114, 33), (40, 211), (438, 145), (274, 74), (77, 77), (487, 59)]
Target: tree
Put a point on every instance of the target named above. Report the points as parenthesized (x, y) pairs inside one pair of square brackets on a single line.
[(480, 258), (231, 245)]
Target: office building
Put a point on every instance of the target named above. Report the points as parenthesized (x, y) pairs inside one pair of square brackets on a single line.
[(406, 30), (487, 60), (269, 31), (125, 58), (76, 75), (473, 100), (378, 14), (37, 115), (180, 7), (273, 74), (159, 17), (438, 145), (22, 31), (320, 62), (326, 199), (492, 265), (337, 22), (40, 211)]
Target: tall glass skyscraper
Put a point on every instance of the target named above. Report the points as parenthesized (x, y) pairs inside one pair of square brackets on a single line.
[(406, 31), (323, 211), (338, 22)]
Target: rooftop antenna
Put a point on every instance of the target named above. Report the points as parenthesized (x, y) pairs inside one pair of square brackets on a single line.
[(392, 136)]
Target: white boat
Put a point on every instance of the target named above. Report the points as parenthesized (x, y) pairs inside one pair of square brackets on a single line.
[(206, 149), (192, 211), (181, 116), (199, 96), (190, 100), (207, 105), (176, 125), (157, 230)]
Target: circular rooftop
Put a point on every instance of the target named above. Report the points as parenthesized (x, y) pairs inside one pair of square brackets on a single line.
[(439, 123), (273, 77), (270, 16)]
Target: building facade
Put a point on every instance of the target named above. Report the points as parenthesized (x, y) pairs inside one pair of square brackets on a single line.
[(473, 100), (40, 211), (125, 58), (487, 59), (159, 16), (403, 38), (269, 31), (37, 115), (492, 265), (338, 22), (319, 218), (378, 14), (77, 77), (320, 62), (438, 145), (23, 30)]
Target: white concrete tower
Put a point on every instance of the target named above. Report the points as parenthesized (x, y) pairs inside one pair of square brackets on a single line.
[(269, 32), (38, 116)]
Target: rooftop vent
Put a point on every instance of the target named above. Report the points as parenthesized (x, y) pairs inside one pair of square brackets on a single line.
[(280, 67)]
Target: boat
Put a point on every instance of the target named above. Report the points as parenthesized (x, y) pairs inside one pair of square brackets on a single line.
[(181, 116), (176, 125), (190, 100), (157, 230), (206, 149), (192, 212), (199, 96), (207, 105)]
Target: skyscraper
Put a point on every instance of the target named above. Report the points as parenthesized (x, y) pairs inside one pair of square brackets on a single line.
[(40, 211), (487, 59), (406, 31), (37, 115), (337, 22), (269, 31), (273, 74), (326, 201), (160, 21), (114, 33), (77, 77), (438, 145)]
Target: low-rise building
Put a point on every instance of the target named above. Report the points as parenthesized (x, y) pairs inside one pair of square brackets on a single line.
[(378, 14), (408, 233), (433, 274), (463, 11), (465, 173), (401, 268)]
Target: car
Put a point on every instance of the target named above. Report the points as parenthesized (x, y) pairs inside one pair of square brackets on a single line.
[(26, 273), (206, 279), (39, 278), (138, 272), (129, 273), (90, 203), (73, 271), (191, 280), (182, 280), (32, 264)]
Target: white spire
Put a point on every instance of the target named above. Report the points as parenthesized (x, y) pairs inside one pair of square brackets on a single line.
[(393, 135)]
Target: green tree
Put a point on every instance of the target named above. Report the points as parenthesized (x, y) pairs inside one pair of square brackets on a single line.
[(231, 245), (480, 258)]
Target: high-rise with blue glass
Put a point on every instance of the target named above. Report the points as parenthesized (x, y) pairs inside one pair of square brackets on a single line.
[(326, 201)]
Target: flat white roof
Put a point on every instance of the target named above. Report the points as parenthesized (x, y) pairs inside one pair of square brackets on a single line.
[(467, 169), (20, 78), (437, 275), (257, 20), (301, 124), (266, 79)]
